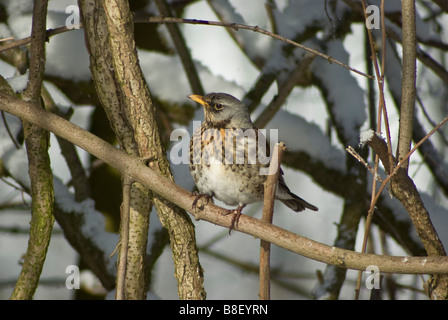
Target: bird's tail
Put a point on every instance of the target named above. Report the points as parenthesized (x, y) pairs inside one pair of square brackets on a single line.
[(291, 200), (297, 204)]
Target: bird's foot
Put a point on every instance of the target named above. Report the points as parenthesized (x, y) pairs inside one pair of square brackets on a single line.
[(236, 216), (198, 195)]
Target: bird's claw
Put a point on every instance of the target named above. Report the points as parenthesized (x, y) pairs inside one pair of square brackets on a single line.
[(236, 216), (208, 197)]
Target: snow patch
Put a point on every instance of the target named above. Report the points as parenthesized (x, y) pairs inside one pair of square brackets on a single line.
[(18, 83)]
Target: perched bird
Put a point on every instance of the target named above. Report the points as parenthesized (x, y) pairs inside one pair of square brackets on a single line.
[(228, 159)]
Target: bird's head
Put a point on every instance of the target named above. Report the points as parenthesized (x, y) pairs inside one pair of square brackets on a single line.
[(224, 110)]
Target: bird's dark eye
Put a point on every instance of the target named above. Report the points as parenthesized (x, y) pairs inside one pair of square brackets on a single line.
[(218, 106)]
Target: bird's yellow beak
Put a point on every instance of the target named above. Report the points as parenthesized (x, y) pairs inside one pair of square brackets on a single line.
[(199, 99)]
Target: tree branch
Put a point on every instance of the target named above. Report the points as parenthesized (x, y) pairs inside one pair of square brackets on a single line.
[(133, 97), (79, 179), (237, 26), (408, 75), (41, 175), (120, 293), (270, 188), (296, 77)]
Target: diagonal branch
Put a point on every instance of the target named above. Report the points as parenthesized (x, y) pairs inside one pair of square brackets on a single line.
[(296, 77)]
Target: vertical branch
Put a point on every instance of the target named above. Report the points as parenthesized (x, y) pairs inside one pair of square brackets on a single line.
[(135, 103), (270, 187), (112, 96), (37, 143), (37, 52), (120, 293), (408, 75)]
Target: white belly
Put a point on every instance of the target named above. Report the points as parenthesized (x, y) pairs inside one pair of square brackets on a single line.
[(231, 186), (221, 183)]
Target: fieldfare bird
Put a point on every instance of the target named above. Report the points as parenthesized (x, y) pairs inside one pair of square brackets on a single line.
[(229, 157)]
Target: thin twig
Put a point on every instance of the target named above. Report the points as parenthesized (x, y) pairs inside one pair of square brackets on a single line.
[(79, 179), (234, 26), (380, 81), (429, 119), (416, 146), (6, 39), (353, 152), (237, 26), (8, 131), (49, 33)]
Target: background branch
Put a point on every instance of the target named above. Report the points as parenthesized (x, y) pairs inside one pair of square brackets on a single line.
[(182, 50), (297, 77)]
